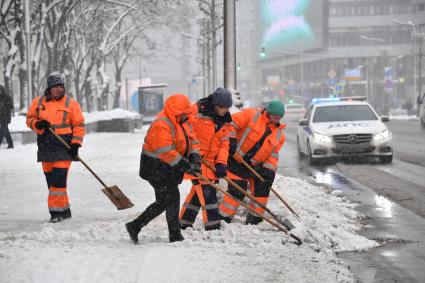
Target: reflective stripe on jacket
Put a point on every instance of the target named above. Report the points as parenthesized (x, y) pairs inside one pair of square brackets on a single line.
[(67, 120), (214, 145), (165, 139)]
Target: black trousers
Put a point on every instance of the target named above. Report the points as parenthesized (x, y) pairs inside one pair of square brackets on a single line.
[(4, 132), (167, 198)]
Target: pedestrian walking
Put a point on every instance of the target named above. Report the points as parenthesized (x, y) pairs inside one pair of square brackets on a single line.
[(211, 127), (57, 111), (6, 107), (256, 137), (170, 149)]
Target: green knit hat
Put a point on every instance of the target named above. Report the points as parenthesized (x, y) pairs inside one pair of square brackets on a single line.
[(276, 107)]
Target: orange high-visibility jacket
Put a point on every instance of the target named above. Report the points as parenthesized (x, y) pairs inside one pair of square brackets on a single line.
[(65, 116), (67, 120), (249, 126), (165, 139), (214, 145)]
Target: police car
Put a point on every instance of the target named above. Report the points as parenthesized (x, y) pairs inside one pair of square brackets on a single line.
[(343, 127)]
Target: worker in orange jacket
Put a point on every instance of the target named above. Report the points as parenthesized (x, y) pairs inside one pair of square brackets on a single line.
[(212, 130), (170, 149), (257, 137), (63, 114)]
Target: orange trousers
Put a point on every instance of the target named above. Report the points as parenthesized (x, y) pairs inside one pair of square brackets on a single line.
[(56, 176)]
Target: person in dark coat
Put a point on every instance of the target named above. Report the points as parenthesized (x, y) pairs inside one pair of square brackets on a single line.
[(170, 149), (6, 106)]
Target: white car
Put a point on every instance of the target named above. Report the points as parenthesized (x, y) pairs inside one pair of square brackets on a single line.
[(343, 127), (294, 112)]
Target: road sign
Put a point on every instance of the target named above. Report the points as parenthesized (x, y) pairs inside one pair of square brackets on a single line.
[(331, 74), (388, 80)]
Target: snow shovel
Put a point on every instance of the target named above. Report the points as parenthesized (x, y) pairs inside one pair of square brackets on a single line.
[(286, 223), (279, 227), (117, 197), (238, 158)]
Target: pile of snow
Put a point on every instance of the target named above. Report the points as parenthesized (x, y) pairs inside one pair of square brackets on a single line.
[(93, 246), (18, 123)]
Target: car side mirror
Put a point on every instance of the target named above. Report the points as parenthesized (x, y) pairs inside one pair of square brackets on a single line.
[(303, 122), (385, 119)]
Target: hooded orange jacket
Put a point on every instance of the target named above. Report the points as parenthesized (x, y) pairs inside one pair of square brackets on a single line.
[(165, 139)]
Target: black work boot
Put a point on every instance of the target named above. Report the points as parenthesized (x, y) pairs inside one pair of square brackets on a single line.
[(56, 219), (185, 226), (253, 220), (175, 236), (55, 216), (133, 231), (67, 213), (225, 219), (213, 227)]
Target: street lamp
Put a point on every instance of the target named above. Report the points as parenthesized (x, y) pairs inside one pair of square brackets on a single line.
[(374, 39), (417, 41)]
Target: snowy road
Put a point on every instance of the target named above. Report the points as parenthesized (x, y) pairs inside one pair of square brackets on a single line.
[(94, 247), (392, 198)]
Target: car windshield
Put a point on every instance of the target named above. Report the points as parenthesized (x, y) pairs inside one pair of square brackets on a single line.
[(340, 113)]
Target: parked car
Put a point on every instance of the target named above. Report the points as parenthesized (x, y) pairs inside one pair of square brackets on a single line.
[(294, 112), (343, 127)]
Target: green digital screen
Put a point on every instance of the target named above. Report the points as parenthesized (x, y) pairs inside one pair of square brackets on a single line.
[(292, 25)]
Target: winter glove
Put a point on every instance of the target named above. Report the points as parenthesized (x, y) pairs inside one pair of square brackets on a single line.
[(42, 124), (232, 146), (267, 174), (194, 169), (195, 158), (73, 151), (220, 170)]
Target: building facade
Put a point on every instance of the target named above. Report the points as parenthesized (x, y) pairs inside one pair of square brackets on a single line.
[(369, 48)]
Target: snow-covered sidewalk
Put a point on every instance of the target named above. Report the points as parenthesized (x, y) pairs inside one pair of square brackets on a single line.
[(93, 246)]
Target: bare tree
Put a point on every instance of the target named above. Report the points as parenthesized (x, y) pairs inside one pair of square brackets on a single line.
[(9, 29)]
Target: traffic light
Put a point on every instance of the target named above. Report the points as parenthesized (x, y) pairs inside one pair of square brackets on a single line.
[(238, 67), (263, 52)]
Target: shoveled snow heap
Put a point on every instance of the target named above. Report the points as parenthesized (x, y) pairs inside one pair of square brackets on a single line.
[(93, 246)]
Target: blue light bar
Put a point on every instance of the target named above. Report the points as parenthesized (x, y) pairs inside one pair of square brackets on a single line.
[(325, 99)]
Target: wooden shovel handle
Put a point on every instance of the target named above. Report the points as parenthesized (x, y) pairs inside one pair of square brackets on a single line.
[(220, 189), (238, 158), (245, 193), (79, 158)]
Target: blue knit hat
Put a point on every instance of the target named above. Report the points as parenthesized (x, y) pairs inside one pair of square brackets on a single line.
[(54, 80), (222, 97)]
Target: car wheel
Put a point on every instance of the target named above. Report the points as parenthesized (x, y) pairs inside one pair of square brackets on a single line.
[(386, 159), (310, 159), (300, 153)]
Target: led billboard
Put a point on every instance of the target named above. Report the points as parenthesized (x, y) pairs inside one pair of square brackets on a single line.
[(292, 25)]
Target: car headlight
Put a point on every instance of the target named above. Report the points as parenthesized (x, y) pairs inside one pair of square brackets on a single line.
[(381, 136), (321, 138)]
